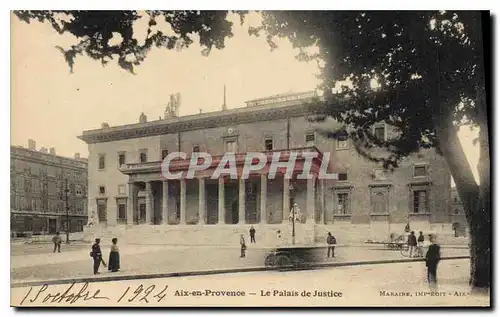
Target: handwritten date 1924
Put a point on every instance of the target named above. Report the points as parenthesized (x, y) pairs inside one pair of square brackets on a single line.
[(73, 294)]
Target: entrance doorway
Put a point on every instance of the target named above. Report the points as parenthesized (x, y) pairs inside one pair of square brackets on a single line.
[(52, 225), (234, 212)]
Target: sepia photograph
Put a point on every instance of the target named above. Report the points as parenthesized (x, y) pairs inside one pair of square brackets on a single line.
[(250, 158)]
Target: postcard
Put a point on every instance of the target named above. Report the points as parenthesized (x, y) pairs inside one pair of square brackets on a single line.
[(250, 159)]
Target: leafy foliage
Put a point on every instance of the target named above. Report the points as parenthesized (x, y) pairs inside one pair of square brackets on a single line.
[(407, 69), (96, 29)]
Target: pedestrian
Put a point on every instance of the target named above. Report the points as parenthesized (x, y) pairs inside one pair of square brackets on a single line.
[(432, 258), (331, 241), (412, 243), (420, 243), (57, 242), (243, 246), (96, 254), (114, 257), (252, 234)]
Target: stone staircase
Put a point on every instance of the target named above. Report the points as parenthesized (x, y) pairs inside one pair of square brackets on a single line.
[(266, 234)]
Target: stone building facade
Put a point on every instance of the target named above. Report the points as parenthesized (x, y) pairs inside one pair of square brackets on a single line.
[(130, 198), (38, 179)]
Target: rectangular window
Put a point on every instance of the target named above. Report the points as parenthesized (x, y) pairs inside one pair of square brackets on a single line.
[(343, 204), (102, 190), (121, 159), (379, 133), (419, 171), (122, 212), (310, 138), (196, 149), (342, 176), (143, 156), (420, 201), (268, 143), (231, 146), (164, 154), (102, 161)]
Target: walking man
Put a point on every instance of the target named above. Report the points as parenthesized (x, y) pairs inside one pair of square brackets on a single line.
[(412, 244), (96, 254), (431, 261), (252, 234), (57, 242), (331, 241)]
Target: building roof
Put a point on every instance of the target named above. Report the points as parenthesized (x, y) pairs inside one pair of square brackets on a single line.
[(35, 155), (271, 110)]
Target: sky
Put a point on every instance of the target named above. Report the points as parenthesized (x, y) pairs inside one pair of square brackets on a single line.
[(53, 106)]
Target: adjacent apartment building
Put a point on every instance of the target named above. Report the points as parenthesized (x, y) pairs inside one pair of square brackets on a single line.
[(37, 191), (130, 198)]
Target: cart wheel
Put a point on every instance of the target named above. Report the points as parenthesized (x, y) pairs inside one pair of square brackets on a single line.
[(270, 260), (283, 260)]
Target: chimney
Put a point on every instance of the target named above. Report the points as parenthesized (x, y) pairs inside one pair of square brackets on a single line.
[(143, 118), (43, 150), (104, 125), (31, 144), (77, 156), (52, 151)]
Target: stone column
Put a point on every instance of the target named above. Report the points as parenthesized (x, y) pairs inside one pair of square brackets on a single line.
[(286, 199), (241, 201), (201, 201), (322, 201), (149, 202), (310, 200), (164, 203), (183, 201), (222, 207), (263, 198)]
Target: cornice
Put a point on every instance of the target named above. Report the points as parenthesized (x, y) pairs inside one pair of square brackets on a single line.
[(197, 122)]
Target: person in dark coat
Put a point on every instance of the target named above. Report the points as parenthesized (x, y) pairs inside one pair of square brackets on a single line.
[(412, 243), (114, 257), (252, 234), (57, 242), (420, 241), (331, 241), (96, 254), (432, 258)]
